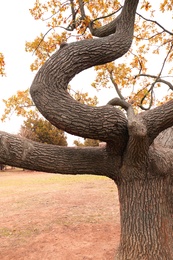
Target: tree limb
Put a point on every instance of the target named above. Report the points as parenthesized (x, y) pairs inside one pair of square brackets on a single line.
[(158, 24), (118, 23), (21, 152), (158, 79), (158, 119), (49, 92)]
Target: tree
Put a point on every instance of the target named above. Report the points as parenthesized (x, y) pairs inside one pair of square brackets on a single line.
[(40, 130), (87, 142), (134, 158)]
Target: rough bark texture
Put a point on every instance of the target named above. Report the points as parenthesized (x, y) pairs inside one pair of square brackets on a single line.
[(139, 165), (146, 220)]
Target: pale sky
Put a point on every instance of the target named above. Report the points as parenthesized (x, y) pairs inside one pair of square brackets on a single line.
[(17, 27)]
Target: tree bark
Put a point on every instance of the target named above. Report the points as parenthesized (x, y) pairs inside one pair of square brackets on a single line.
[(24, 153), (146, 220)]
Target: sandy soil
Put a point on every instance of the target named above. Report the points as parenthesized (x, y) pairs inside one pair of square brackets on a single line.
[(55, 217)]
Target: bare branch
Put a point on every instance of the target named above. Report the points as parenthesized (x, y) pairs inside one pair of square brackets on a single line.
[(119, 102), (150, 91), (158, 24), (154, 35), (73, 24), (170, 49), (41, 40), (140, 63), (158, 79), (82, 10), (105, 16), (115, 85)]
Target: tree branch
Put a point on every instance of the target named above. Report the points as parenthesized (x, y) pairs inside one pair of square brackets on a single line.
[(158, 79), (21, 152), (110, 28), (115, 85), (158, 119), (158, 24), (119, 102), (49, 88)]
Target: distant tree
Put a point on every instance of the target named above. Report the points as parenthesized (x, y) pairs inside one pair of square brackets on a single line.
[(87, 142), (40, 130)]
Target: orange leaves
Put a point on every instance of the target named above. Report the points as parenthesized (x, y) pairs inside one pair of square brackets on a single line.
[(66, 19), (119, 72), (43, 48), (83, 97), (2, 65), (20, 103), (167, 5), (146, 5)]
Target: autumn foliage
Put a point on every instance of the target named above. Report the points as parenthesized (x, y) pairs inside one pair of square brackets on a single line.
[(2, 65), (142, 77), (40, 130)]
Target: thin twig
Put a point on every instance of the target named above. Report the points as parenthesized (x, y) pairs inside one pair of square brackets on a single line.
[(158, 24)]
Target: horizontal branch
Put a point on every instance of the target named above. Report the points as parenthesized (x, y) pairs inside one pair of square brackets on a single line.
[(24, 153)]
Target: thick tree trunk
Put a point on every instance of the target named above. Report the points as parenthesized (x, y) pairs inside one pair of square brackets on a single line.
[(146, 220)]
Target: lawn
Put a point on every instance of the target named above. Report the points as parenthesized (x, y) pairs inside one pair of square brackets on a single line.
[(58, 217)]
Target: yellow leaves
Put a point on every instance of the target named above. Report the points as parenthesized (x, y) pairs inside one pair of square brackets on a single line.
[(2, 65), (83, 97), (42, 47), (120, 73), (20, 103), (146, 5), (67, 19), (167, 5)]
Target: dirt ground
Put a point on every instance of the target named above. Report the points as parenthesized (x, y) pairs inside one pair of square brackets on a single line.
[(57, 217)]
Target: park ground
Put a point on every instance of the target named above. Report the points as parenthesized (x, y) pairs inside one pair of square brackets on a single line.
[(47, 216)]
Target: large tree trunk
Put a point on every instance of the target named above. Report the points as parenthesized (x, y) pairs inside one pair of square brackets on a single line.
[(146, 219)]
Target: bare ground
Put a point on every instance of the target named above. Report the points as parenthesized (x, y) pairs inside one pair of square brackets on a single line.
[(57, 217)]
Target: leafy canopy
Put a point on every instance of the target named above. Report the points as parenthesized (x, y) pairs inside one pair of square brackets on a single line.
[(135, 77)]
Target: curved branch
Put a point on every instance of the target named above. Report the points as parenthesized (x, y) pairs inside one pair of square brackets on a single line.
[(21, 152), (151, 98), (49, 88), (158, 119), (119, 102), (110, 28), (104, 30), (158, 79)]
